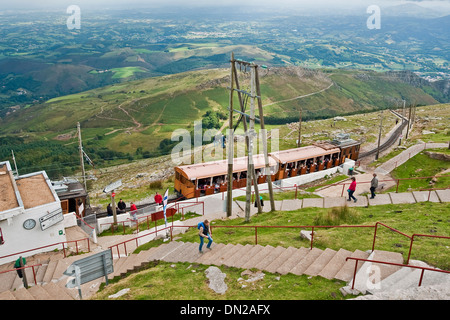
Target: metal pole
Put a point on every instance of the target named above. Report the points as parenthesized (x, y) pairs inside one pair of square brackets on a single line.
[(113, 206)]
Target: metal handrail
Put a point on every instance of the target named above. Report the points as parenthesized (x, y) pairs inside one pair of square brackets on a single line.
[(51, 245), (24, 267), (394, 264)]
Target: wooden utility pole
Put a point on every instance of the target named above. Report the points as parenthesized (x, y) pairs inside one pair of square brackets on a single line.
[(299, 130), (250, 135), (241, 103), (264, 140), (80, 147), (379, 136), (409, 122), (230, 143)]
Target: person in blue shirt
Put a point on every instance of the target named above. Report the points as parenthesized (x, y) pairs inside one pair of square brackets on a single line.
[(204, 232)]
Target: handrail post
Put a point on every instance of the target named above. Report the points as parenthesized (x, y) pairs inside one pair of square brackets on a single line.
[(312, 237), (374, 236), (354, 274), (34, 275), (398, 182), (421, 277), (256, 235), (64, 250), (410, 248)]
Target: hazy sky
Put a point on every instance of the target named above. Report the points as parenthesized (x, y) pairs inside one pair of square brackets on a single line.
[(129, 4), (34, 4)]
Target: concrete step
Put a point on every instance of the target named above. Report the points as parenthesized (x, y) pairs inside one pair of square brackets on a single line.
[(244, 259), (319, 264), (307, 260), (48, 276), (56, 292), (173, 252), (165, 249), (272, 256), (335, 264), (238, 255), (147, 254), (39, 293), (176, 255), (217, 258), (7, 295), (22, 294), (282, 258), (259, 256), (390, 281), (7, 279), (228, 254), (117, 263), (347, 270), (209, 256), (290, 263), (40, 273), (371, 272), (191, 253)]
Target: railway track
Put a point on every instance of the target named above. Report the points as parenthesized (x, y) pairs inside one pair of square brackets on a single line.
[(391, 140)]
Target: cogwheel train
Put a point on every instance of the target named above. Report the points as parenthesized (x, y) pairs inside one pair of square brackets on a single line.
[(207, 178)]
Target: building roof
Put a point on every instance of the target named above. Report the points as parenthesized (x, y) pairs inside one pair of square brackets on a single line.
[(302, 153), (9, 197), (69, 188), (24, 192), (34, 190), (220, 167)]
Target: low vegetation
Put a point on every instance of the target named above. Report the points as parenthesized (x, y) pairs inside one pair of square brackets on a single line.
[(162, 280)]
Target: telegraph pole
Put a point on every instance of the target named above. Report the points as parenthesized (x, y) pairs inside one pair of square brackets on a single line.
[(264, 140), (379, 136), (230, 143), (299, 130), (80, 147), (409, 122), (252, 169)]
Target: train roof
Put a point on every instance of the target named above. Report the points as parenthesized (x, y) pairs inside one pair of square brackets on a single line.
[(302, 153), (220, 167)]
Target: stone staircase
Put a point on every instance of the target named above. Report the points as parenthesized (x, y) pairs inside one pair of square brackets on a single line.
[(327, 263)]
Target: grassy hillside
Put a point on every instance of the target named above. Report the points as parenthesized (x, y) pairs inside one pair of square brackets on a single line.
[(135, 117)]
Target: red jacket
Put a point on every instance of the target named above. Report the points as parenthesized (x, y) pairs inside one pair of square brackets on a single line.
[(133, 207), (158, 199), (352, 186)]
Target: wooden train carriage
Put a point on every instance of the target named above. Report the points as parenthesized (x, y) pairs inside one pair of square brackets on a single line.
[(304, 160), (349, 148), (210, 177)]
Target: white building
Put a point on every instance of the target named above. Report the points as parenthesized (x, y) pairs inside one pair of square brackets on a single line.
[(31, 217)]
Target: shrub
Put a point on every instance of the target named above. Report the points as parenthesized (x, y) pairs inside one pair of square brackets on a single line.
[(337, 216), (156, 185)]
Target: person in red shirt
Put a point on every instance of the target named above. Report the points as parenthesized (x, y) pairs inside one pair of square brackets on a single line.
[(133, 207), (158, 198), (351, 190)]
